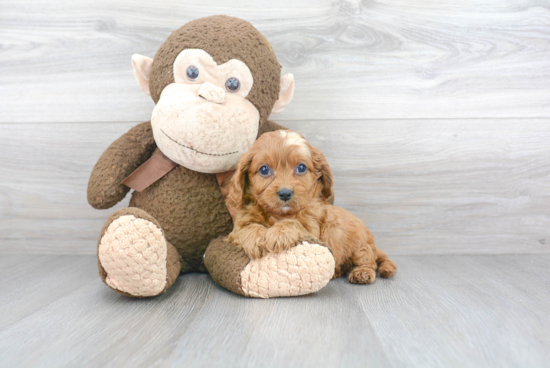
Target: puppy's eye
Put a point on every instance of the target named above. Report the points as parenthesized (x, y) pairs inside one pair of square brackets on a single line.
[(264, 170), (192, 73), (301, 169), (232, 84)]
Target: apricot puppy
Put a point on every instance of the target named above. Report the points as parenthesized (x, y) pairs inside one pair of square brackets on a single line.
[(280, 189)]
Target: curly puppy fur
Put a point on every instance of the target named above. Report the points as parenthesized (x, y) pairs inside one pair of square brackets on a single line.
[(280, 190)]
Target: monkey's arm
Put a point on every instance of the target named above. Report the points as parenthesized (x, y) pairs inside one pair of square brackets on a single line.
[(118, 161), (303, 269)]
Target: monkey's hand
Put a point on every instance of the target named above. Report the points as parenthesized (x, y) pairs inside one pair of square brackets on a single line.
[(117, 162), (302, 269)]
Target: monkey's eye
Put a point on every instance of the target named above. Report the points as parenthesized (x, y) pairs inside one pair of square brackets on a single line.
[(301, 169), (264, 170), (192, 72), (232, 84)]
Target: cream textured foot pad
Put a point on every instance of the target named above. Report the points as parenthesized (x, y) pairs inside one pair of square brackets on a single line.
[(303, 269), (133, 253)]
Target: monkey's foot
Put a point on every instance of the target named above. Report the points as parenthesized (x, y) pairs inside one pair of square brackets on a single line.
[(134, 257), (303, 269)]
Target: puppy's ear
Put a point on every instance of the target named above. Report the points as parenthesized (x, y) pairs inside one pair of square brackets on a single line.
[(238, 181), (323, 172)]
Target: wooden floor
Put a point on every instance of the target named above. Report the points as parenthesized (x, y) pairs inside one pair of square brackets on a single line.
[(438, 311)]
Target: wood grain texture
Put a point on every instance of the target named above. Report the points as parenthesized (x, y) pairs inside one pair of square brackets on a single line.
[(31, 282), (438, 311), (69, 61), (43, 181), (443, 186), (434, 186)]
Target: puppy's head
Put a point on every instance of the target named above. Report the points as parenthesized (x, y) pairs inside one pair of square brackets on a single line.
[(282, 173)]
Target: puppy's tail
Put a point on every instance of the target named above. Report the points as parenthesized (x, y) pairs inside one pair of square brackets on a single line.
[(386, 266)]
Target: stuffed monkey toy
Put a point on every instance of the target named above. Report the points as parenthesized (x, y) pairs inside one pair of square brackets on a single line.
[(214, 81)]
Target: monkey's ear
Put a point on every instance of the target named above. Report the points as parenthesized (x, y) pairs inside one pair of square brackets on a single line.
[(142, 69), (285, 93)]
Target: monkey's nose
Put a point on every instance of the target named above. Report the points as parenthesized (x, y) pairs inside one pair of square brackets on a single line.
[(285, 194), (211, 93)]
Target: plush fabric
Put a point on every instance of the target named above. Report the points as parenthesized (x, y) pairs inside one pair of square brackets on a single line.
[(118, 161), (301, 270), (304, 269), (142, 69), (191, 210), (285, 93), (178, 223), (202, 135), (135, 265), (211, 72), (217, 256), (187, 205), (173, 259), (224, 38)]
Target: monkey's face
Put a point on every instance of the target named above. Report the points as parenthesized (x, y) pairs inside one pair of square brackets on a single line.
[(215, 80), (203, 120)]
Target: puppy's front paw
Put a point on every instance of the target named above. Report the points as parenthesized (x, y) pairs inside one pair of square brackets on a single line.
[(253, 250), (279, 238), (362, 275)]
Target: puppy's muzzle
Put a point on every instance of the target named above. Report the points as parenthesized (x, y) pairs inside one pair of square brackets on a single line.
[(285, 194)]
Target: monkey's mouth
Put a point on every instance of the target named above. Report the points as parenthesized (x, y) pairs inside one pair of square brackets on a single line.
[(195, 150)]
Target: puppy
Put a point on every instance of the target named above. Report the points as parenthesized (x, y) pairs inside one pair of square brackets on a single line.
[(281, 190)]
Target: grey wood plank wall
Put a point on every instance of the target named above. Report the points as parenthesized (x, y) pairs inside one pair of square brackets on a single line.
[(435, 116)]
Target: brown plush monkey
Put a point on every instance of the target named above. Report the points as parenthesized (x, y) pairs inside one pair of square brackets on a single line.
[(214, 81)]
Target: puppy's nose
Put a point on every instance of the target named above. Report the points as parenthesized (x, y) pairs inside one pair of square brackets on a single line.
[(285, 194)]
